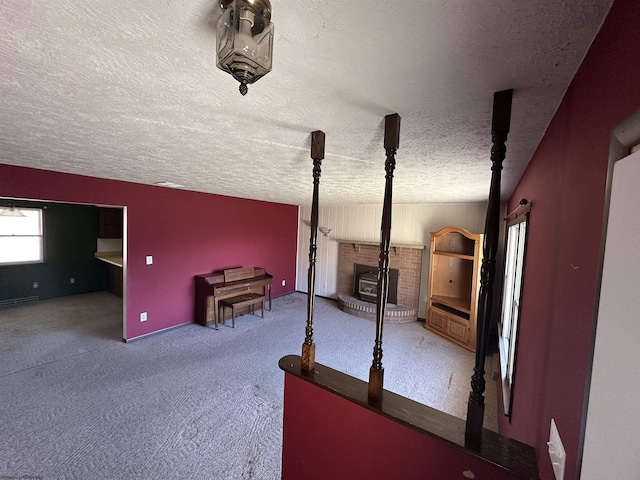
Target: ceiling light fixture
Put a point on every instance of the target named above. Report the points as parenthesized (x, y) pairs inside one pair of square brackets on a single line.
[(12, 211), (245, 40), (169, 184)]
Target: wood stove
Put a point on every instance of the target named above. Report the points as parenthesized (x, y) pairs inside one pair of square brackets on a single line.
[(366, 284), (368, 287)]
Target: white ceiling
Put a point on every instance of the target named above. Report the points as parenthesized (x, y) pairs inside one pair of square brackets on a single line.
[(129, 90)]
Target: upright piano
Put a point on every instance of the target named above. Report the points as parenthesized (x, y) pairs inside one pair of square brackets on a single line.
[(212, 287)]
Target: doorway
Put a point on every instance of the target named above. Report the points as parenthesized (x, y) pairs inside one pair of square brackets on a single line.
[(71, 263)]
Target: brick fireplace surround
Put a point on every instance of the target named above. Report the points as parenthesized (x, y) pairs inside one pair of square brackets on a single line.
[(407, 259)]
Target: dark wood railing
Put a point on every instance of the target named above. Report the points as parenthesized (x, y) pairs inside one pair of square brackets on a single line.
[(516, 458), (391, 144), (499, 132), (309, 347), (503, 457)]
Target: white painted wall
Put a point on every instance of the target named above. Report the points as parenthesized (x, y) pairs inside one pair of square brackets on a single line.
[(411, 224), (612, 433)]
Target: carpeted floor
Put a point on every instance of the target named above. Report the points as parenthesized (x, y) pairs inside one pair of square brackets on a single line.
[(192, 402)]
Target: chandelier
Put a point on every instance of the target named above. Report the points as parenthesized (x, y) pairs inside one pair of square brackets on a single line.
[(245, 40)]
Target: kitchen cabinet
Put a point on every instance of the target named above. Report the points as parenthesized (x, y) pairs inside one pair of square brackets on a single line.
[(109, 222)]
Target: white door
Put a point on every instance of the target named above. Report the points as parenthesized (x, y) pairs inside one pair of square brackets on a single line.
[(612, 435)]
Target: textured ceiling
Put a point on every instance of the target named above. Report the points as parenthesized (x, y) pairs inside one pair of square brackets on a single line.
[(129, 90)]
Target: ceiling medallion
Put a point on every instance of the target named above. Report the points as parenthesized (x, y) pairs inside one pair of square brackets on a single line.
[(245, 40)]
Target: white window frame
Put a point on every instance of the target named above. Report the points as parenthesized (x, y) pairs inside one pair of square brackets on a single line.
[(516, 243), (36, 234)]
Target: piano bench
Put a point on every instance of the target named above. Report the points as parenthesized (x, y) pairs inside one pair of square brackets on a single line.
[(244, 300)]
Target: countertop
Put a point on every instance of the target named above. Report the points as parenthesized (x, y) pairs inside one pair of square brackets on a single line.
[(114, 258)]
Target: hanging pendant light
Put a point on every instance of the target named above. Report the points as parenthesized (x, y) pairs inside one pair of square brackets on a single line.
[(11, 211), (245, 40)]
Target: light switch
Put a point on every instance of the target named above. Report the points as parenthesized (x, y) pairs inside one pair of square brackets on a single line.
[(557, 453), (149, 260)]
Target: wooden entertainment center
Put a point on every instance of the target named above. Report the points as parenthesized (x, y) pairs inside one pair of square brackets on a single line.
[(454, 283)]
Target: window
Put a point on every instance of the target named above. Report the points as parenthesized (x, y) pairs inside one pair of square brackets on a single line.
[(512, 290), (21, 238)]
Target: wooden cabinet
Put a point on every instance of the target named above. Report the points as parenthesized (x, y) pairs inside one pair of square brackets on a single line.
[(115, 280), (110, 222), (454, 283)]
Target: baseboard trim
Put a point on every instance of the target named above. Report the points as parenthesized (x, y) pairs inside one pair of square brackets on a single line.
[(319, 296), (147, 335)]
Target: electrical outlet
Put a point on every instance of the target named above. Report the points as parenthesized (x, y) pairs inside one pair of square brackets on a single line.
[(72, 280), (36, 284), (284, 283), (149, 260), (556, 451), (143, 317)]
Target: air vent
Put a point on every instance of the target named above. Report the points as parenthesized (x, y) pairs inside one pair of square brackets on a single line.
[(18, 301)]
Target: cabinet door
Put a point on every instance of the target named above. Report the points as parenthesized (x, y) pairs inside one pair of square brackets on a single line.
[(110, 225), (451, 326), (438, 320), (115, 280), (458, 329)]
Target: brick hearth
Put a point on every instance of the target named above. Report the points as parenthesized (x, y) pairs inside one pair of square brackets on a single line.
[(392, 314)]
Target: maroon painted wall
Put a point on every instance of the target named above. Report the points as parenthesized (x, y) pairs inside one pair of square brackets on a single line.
[(566, 181), (328, 437), (187, 233)]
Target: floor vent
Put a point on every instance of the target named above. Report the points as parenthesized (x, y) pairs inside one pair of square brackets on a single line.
[(18, 301)]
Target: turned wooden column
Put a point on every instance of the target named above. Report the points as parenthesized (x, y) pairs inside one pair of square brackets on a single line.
[(499, 131), (308, 347), (391, 143)]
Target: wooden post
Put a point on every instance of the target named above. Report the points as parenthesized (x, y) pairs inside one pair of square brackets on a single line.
[(391, 143), (499, 132), (308, 347)]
